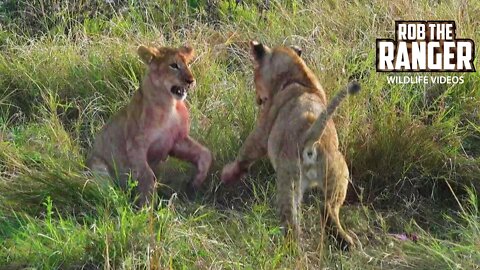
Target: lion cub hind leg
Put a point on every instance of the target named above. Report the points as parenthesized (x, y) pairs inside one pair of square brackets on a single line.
[(333, 221), (98, 166), (289, 197), (100, 170), (335, 190)]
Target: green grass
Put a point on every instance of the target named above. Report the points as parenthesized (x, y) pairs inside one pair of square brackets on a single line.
[(413, 150)]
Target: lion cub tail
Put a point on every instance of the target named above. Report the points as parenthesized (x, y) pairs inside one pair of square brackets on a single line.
[(318, 127)]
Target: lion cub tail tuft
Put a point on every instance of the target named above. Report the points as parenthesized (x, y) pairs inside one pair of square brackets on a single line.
[(353, 88)]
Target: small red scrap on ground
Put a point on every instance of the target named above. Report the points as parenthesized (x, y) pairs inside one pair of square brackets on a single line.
[(405, 236)]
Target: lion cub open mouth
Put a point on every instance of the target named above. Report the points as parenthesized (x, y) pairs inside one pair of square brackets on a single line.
[(179, 92)]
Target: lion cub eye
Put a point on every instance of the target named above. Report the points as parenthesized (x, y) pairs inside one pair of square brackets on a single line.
[(174, 66)]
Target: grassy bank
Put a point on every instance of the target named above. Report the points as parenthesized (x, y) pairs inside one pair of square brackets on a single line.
[(413, 150)]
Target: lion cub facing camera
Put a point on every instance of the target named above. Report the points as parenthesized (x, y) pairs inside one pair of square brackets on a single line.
[(295, 130), (154, 125)]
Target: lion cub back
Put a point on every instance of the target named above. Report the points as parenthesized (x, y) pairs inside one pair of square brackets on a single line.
[(293, 120)]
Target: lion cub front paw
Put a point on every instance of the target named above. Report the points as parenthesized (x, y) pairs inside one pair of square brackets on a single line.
[(232, 173)]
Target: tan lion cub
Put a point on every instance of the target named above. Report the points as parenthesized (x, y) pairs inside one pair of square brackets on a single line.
[(154, 125), (295, 130)]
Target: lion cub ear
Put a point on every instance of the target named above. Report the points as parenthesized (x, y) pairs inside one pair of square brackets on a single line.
[(297, 50), (258, 50), (187, 52), (145, 53)]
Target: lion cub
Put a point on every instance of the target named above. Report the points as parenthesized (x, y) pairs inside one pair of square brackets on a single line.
[(154, 125), (295, 130)]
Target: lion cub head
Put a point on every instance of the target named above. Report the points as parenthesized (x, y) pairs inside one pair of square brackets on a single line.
[(276, 68), (167, 69)]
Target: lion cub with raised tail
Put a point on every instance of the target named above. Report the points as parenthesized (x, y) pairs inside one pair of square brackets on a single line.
[(154, 125), (295, 130)]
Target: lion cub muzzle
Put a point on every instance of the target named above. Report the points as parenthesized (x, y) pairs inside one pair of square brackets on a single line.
[(180, 91)]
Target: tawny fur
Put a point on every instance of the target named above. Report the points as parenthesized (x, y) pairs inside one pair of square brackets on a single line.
[(295, 130), (154, 125)]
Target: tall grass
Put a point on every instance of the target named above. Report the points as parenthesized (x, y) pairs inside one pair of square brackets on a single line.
[(412, 149)]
